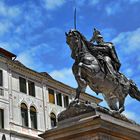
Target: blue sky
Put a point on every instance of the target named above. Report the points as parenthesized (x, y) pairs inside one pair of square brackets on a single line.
[(34, 31)]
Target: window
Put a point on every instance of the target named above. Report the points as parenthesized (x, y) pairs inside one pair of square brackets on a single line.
[(24, 115), (51, 96), (3, 137), (22, 84), (33, 116), (1, 92), (66, 101), (59, 99), (1, 118), (1, 78), (31, 88), (53, 120)]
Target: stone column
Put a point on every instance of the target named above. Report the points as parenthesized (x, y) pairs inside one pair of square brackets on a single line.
[(62, 97), (55, 97), (29, 118)]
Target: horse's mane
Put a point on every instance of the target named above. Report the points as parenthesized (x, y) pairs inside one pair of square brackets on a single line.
[(83, 38)]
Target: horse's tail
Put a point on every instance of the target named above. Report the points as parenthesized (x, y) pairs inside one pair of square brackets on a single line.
[(134, 91)]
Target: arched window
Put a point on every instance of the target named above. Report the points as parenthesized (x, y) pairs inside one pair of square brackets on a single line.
[(3, 137), (33, 116), (24, 115), (53, 120)]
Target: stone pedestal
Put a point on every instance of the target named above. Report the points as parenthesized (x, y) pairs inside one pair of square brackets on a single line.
[(85, 122)]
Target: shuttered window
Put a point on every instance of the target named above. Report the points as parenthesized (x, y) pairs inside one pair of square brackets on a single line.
[(33, 116), (1, 78), (66, 101), (1, 118), (22, 84), (59, 99), (24, 115), (51, 96), (31, 88)]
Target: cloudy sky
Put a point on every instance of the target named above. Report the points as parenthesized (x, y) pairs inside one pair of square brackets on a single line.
[(34, 31)]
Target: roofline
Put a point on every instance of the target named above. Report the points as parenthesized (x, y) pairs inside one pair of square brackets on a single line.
[(13, 55)]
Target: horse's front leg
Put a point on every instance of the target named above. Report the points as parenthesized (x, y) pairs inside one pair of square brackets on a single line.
[(81, 88), (112, 103), (121, 105), (77, 70), (81, 85)]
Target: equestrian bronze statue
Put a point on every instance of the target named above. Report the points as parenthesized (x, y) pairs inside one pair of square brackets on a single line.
[(97, 66)]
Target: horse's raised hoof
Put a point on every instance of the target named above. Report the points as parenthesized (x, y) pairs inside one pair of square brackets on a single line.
[(76, 100), (121, 109)]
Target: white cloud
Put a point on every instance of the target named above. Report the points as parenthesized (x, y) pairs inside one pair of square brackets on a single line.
[(5, 26), (113, 8), (108, 33), (65, 75), (128, 41), (131, 115), (94, 2), (129, 101), (90, 2), (80, 2), (129, 72), (132, 1), (52, 4), (26, 59), (8, 11), (6, 46), (10, 46), (53, 31), (31, 57)]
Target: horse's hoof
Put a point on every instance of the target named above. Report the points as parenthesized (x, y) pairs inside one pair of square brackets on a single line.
[(76, 100), (87, 102), (121, 109), (114, 112)]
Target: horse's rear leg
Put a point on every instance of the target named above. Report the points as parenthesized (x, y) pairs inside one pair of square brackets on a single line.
[(112, 103), (78, 91)]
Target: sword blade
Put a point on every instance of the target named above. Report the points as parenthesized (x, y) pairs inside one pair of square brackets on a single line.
[(75, 18)]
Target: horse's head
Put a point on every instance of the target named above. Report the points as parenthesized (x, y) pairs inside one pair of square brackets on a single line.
[(72, 38)]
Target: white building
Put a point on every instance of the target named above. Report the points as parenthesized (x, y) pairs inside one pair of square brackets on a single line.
[(30, 101)]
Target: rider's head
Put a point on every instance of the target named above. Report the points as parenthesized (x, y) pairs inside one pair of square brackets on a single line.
[(99, 39)]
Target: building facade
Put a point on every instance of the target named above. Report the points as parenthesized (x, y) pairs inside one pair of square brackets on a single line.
[(30, 101)]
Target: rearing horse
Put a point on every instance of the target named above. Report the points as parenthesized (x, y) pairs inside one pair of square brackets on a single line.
[(88, 71)]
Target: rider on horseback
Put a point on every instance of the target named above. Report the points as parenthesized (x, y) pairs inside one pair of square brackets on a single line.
[(89, 71), (105, 52)]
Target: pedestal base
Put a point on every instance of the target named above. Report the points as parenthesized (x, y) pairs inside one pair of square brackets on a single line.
[(93, 126)]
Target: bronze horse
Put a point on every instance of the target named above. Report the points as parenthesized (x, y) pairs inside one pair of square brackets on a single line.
[(88, 71)]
